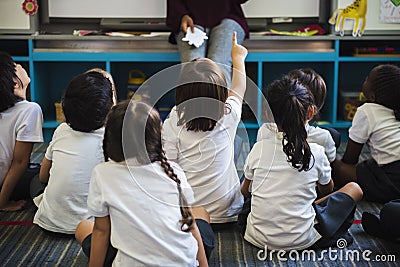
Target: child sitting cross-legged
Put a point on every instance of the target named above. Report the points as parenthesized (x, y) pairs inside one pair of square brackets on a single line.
[(75, 149), (281, 172)]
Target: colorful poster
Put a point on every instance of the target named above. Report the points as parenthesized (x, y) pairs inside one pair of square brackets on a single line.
[(390, 11)]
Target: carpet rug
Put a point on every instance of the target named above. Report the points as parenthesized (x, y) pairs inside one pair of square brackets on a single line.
[(24, 244)]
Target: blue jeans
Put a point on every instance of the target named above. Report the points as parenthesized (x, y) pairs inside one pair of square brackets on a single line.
[(217, 47)]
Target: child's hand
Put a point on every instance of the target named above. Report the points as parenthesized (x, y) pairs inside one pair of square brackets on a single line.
[(187, 22), (239, 52)]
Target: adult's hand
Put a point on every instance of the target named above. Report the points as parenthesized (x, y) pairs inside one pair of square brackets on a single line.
[(187, 22)]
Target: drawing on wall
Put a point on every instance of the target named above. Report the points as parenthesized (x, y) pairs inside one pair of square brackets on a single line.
[(390, 11)]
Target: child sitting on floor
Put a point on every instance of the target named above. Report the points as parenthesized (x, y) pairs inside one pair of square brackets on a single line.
[(377, 124), (21, 126), (200, 132), (75, 149), (281, 172), (141, 201)]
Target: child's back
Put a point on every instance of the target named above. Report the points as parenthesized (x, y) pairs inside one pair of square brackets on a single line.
[(207, 159), (76, 148), (143, 202), (21, 126), (281, 190), (73, 154), (281, 174), (200, 133), (23, 122)]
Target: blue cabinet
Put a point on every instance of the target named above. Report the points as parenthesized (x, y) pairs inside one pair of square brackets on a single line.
[(53, 61)]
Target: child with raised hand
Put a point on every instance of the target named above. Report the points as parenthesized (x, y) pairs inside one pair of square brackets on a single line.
[(21, 126), (377, 124), (280, 176), (144, 210), (76, 147), (200, 131)]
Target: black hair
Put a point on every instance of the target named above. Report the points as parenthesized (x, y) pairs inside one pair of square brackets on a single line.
[(8, 78), (290, 101), (314, 82), (203, 82), (87, 101), (386, 86), (140, 125)]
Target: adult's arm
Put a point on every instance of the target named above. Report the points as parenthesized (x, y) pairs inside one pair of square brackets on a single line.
[(176, 9)]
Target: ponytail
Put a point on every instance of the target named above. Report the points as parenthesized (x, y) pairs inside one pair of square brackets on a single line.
[(289, 102), (294, 141), (187, 217)]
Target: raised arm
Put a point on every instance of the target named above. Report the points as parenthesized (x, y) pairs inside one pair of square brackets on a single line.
[(238, 54)]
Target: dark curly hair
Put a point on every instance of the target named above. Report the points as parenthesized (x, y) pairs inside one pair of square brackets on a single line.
[(87, 101), (386, 86)]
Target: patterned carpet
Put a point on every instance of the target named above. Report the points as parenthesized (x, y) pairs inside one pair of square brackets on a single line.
[(24, 244)]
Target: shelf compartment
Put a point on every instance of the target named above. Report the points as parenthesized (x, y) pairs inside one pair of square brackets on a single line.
[(51, 80), (273, 71)]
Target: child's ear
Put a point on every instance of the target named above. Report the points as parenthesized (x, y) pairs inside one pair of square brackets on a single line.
[(311, 112)]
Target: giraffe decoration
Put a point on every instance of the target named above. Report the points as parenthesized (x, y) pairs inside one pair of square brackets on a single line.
[(355, 11)]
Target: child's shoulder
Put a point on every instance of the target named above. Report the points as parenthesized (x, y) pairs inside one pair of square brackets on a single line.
[(28, 107), (318, 135)]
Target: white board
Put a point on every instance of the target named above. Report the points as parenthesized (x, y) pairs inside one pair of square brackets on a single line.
[(281, 8), (157, 8), (12, 17)]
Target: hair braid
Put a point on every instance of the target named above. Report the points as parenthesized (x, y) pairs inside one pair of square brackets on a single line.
[(187, 217)]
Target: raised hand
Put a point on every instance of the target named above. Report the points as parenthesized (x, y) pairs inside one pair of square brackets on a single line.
[(239, 52)]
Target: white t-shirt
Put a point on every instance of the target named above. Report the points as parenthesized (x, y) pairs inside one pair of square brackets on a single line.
[(377, 126), (22, 122), (316, 135), (73, 154), (282, 216), (143, 205), (208, 161), (323, 138)]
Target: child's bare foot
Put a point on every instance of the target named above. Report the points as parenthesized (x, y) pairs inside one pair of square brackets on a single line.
[(13, 205)]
